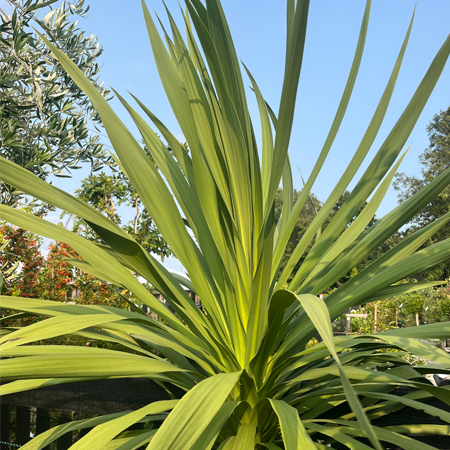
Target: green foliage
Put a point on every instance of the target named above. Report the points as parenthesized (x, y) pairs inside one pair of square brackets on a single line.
[(413, 303), (445, 309), (385, 317), (100, 191), (430, 305), (247, 379), (304, 220), (45, 119)]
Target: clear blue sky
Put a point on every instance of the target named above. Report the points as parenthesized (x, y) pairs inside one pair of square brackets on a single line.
[(258, 27)]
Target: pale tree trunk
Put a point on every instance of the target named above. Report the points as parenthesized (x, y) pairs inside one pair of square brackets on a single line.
[(109, 203), (113, 210), (136, 205)]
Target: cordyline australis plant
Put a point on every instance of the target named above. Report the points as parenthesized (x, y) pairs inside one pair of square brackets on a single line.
[(248, 379)]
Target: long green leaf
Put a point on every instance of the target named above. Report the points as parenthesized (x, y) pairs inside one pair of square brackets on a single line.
[(317, 311), (55, 326), (148, 184), (103, 433), (293, 64), (392, 146), (209, 435), (353, 231), (117, 364), (290, 222), (26, 385), (194, 413), (245, 439), (385, 435), (293, 431), (351, 443), (90, 252), (127, 251), (405, 248), (130, 440)]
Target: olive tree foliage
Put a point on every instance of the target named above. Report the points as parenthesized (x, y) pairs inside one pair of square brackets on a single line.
[(46, 121)]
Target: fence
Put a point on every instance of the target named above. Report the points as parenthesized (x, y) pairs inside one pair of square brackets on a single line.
[(33, 409), (22, 422), (28, 413)]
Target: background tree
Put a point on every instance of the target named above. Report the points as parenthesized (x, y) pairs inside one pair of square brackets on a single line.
[(338, 205), (103, 192), (107, 193), (434, 160), (45, 119), (304, 220)]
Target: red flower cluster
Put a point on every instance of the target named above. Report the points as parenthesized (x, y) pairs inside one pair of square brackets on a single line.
[(50, 278), (25, 249), (57, 273)]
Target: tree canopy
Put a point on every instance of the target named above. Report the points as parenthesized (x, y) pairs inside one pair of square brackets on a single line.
[(304, 220), (106, 193), (434, 161), (46, 121)]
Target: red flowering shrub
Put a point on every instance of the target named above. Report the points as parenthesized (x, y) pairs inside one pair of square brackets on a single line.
[(50, 278), (25, 248), (56, 274), (88, 289)]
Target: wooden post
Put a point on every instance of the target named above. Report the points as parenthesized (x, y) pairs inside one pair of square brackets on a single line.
[(138, 426), (64, 441), (375, 318), (4, 431), (84, 431), (23, 418), (43, 422)]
